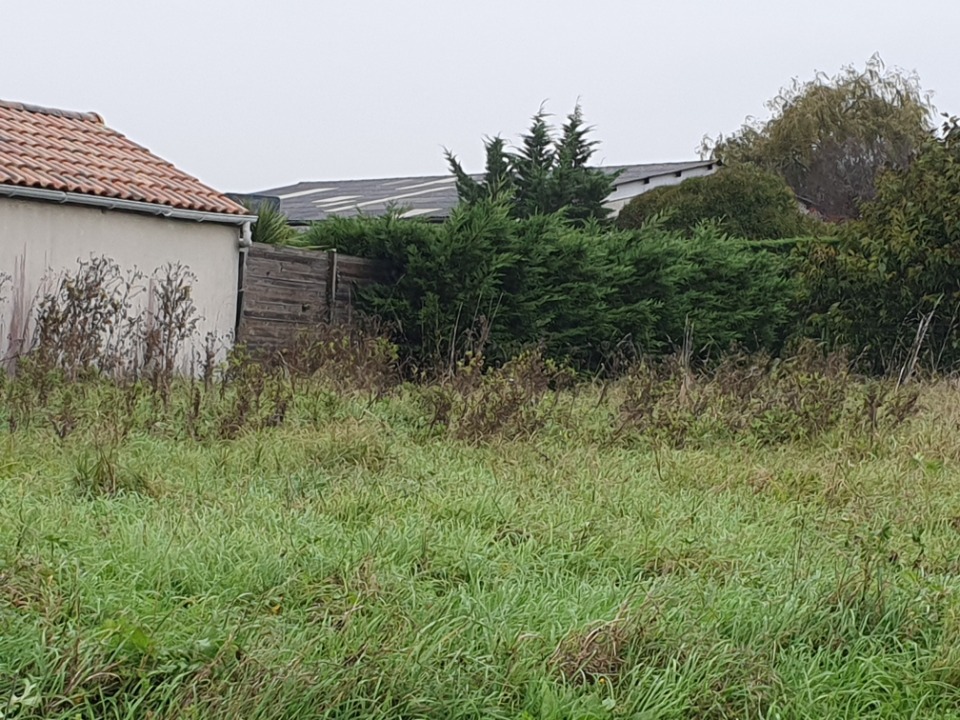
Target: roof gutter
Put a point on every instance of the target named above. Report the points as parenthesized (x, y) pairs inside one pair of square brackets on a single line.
[(57, 196)]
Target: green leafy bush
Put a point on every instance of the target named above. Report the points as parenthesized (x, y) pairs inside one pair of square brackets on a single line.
[(743, 201), (485, 281), (890, 286), (730, 291), (386, 236)]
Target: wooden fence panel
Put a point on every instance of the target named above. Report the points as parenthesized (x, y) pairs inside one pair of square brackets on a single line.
[(288, 291)]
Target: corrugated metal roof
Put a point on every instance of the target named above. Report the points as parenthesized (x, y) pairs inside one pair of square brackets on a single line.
[(633, 173), (431, 197)]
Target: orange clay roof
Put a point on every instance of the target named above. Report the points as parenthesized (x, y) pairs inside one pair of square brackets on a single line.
[(76, 152)]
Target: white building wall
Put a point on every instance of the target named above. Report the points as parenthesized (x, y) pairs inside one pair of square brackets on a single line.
[(40, 239), (626, 192)]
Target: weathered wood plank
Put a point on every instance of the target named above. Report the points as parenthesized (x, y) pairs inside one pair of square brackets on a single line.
[(286, 292), (282, 316), (286, 289), (276, 268), (259, 250)]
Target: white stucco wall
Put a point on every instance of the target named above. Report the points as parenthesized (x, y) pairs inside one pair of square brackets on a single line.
[(37, 237), (622, 194)]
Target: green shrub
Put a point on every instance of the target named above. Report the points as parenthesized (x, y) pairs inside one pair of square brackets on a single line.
[(743, 201), (271, 227), (483, 281), (385, 237), (728, 290), (897, 269), (449, 280)]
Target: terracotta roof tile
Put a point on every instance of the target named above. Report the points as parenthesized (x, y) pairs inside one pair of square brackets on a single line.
[(76, 152)]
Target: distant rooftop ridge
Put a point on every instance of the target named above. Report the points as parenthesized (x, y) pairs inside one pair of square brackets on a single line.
[(428, 196)]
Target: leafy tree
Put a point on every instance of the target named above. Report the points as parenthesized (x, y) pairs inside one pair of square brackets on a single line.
[(743, 201), (899, 263), (548, 173), (831, 136)]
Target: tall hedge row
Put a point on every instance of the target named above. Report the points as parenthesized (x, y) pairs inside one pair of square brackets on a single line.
[(886, 286), (582, 294)]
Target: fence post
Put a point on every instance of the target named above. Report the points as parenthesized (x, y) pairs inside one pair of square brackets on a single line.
[(332, 284)]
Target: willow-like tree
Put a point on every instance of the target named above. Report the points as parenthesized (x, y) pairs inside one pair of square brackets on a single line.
[(830, 137), (548, 173)]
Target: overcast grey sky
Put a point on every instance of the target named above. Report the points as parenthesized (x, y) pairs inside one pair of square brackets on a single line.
[(251, 95)]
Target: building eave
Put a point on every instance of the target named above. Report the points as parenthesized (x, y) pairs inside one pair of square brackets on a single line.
[(134, 206)]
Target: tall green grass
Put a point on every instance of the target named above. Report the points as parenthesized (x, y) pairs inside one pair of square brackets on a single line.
[(364, 556)]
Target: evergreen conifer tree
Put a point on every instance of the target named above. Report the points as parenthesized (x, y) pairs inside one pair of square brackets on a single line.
[(546, 174)]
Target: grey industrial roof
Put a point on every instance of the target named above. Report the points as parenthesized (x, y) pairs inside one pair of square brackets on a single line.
[(633, 173), (431, 197)]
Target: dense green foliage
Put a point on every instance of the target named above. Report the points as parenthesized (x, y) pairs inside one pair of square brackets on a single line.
[(485, 278), (528, 260), (831, 136), (897, 267), (547, 174), (743, 201)]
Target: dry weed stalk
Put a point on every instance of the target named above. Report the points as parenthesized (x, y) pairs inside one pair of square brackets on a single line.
[(798, 397), (512, 401)]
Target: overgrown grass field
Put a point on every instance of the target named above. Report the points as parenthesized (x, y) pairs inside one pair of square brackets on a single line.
[(508, 545)]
